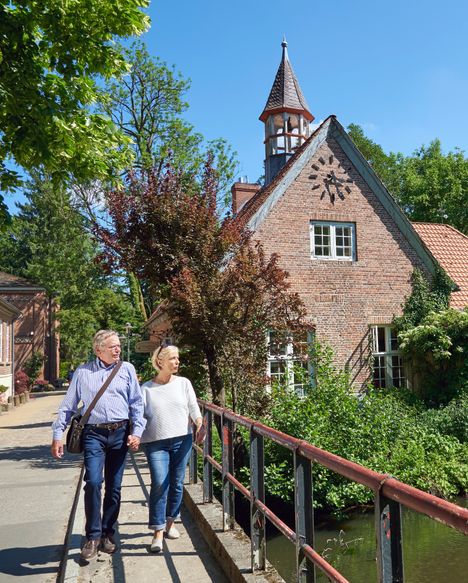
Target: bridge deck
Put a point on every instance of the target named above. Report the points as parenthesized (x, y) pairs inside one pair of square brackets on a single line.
[(37, 492)]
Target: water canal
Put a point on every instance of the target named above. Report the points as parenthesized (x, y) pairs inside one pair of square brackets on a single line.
[(433, 553)]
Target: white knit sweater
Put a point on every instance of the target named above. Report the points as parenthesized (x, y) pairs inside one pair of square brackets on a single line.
[(168, 409)]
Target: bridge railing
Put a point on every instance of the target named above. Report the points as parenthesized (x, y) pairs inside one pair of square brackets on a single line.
[(390, 495)]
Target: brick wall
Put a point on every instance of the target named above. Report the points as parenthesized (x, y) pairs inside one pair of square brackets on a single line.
[(342, 298), (33, 333)]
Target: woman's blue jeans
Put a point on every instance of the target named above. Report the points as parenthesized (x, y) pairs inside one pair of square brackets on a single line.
[(167, 460)]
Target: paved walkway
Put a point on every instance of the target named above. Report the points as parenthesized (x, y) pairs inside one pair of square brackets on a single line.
[(187, 559), (36, 493), (36, 497)]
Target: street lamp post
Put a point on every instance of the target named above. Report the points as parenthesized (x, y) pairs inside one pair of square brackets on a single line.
[(128, 330)]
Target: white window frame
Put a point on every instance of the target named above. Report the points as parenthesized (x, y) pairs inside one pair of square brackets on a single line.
[(333, 241), (7, 342), (287, 360), (386, 359)]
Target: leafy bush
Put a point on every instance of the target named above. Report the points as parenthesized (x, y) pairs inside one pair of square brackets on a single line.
[(33, 365), (450, 420), (385, 430), (21, 382), (39, 385), (438, 351), (434, 339)]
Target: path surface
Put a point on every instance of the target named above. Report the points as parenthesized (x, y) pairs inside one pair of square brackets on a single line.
[(187, 559), (36, 498), (36, 492)]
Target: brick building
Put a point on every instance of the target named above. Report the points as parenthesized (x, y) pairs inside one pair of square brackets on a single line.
[(35, 329), (8, 315), (349, 249)]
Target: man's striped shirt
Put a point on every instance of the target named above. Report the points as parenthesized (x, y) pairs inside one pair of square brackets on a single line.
[(121, 400)]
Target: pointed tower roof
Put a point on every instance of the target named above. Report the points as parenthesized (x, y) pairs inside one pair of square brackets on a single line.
[(286, 94)]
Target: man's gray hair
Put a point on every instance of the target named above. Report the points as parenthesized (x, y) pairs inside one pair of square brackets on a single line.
[(101, 336)]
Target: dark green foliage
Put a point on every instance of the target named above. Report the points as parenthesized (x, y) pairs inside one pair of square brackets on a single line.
[(434, 339), (382, 430), (48, 243), (386, 166), (437, 349), (426, 296), (450, 420), (33, 365)]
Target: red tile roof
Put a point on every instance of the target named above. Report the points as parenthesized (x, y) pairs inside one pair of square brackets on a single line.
[(450, 248)]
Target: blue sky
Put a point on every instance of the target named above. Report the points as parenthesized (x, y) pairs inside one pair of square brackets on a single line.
[(399, 68)]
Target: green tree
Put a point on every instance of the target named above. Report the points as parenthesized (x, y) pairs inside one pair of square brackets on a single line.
[(386, 166), (429, 185), (147, 104), (438, 351), (434, 186), (51, 55), (108, 308), (49, 242)]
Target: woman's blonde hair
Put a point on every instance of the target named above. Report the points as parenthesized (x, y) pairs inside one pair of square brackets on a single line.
[(161, 352)]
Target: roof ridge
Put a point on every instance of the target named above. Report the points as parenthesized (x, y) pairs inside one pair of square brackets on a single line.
[(297, 154)]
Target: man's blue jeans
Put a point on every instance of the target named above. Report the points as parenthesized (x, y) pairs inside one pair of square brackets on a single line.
[(104, 453), (167, 460)]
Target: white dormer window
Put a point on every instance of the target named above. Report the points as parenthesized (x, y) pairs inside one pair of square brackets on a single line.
[(335, 241)]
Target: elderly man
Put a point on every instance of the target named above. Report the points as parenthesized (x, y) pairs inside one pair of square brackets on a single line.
[(115, 424)]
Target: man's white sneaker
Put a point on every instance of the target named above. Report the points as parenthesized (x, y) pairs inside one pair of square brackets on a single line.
[(172, 533), (156, 545)]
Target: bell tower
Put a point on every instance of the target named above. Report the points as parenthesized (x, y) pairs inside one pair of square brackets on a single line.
[(286, 117)]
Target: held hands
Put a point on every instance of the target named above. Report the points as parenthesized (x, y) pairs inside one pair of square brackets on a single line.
[(57, 448), (133, 442)]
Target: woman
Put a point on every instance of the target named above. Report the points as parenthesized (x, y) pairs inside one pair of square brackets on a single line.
[(170, 404)]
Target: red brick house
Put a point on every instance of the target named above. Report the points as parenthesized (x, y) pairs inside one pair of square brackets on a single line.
[(35, 329), (348, 247), (8, 315)]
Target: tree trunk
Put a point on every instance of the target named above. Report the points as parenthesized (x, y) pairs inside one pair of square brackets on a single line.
[(137, 295), (216, 381)]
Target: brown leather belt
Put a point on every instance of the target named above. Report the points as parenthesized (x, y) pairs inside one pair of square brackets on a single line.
[(109, 426)]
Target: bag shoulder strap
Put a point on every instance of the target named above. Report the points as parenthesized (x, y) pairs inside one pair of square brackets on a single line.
[(99, 394)]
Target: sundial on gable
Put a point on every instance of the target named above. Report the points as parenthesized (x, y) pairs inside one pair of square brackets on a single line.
[(335, 183)]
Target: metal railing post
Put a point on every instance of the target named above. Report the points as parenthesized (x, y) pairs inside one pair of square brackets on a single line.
[(228, 468), (208, 451), (304, 512), (193, 474), (257, 490), (389, 539)]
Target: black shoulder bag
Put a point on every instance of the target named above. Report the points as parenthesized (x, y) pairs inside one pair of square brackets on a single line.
[(74, 439)]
